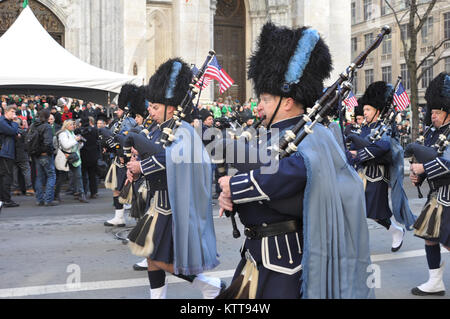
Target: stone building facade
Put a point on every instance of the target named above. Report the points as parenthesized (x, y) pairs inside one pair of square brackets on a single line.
[(388, 61), (135, 36)]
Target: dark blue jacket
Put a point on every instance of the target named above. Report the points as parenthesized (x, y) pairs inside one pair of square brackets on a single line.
[(8, 131)]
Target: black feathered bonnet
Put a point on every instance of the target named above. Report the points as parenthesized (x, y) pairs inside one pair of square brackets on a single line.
[(377, 95), (132, 98), (170, 83), (290, 63)]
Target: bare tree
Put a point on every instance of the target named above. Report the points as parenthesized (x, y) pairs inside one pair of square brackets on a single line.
[(415, 23)]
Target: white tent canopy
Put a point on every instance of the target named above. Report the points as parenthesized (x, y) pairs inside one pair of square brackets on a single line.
[(50, 69)]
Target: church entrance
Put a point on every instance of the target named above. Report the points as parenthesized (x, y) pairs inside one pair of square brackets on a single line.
[(229, 44), (10, 10)]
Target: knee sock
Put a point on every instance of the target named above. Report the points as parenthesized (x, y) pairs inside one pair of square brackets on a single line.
[(157, 278), (117, 204), (433, 256), (385, 223)]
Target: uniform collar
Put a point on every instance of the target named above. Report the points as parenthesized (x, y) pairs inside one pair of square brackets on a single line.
[(285, 123), (443, 127)]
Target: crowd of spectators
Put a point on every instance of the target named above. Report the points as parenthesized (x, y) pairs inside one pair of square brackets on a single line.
[(66, 127)]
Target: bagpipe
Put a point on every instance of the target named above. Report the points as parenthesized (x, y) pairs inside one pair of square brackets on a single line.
[(317, 114), (419, 153)]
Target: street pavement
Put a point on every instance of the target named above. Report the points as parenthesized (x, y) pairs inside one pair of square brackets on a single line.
[(65, 252)]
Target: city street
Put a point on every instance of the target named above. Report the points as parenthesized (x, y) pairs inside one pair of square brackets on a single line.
[(66, 252)]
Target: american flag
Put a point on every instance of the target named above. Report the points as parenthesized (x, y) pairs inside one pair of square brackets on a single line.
[(350, 102), (203, 82), (215, 71), (401, 99)]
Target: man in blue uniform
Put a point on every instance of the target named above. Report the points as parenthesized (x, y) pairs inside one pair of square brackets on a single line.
[(117, 174), (374, 160), (433, 224), (277, 207), (177, 232)]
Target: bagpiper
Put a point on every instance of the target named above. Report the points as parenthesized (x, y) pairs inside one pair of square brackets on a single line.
[(117, 173), (177, 232), (433, 224), (286, 211), (374, 160)]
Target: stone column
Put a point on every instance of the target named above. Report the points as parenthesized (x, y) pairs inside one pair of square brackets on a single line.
[(213, 7), (332, 20)]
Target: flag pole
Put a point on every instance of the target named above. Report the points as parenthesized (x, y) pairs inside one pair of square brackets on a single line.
[(200, 93)]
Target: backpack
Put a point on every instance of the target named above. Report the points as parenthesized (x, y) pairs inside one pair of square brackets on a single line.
[(32, 141)]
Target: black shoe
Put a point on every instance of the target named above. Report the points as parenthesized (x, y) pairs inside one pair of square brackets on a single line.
[(93, 196), (40, 204), (52, 203), (139, 268), (10, 204), (417, 292), (1, 206)]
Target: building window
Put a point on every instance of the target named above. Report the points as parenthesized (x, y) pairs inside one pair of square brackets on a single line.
[(404, 72), (403, 4), (427, 31), (447, 25), (368, 39), (386, 72), (367, 10), (353, 10), (428, 74), (384, 8), (368, 74), (404, 32), (387, 45), (354, 45), (447, 64)]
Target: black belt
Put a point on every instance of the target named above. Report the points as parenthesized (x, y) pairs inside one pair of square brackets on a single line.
[(258, 232)]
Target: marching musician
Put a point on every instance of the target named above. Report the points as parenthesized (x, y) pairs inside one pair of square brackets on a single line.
[(433, 224), (177, 232), (373, 161), (117, 173), (359, 119), (279, 254)]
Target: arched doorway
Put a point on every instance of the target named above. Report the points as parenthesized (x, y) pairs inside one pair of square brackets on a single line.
[(10, 10), (229, 44)]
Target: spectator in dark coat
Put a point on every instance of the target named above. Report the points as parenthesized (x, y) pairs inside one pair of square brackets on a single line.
[(8, 132), (45, 165), (90, 153), (89, 111), (76, 113), (22, 162), (55, 127), (56, 115)]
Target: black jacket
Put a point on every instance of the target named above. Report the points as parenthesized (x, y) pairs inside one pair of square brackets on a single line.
[(90, 152), (45, 137), (21, 152)]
